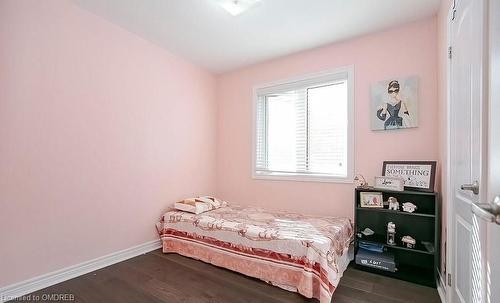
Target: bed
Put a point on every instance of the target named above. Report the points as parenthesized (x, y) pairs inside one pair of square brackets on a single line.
[(306, 254)]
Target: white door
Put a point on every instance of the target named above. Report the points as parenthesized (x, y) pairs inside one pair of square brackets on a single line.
[(493, 230), (472, 251)]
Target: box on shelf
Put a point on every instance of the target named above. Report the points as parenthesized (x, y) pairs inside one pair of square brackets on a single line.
[(379, 260)]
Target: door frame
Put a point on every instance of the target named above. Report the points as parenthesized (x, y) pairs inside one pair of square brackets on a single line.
[(448, 194)]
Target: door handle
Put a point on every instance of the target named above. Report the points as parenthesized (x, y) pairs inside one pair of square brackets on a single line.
[(474, 187), (488, 211), (495, 206)]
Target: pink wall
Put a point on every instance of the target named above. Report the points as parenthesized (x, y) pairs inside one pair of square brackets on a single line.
[(408, 50), (99, 131)]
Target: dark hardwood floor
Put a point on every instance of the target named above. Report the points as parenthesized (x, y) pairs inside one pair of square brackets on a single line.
[(158, 277)]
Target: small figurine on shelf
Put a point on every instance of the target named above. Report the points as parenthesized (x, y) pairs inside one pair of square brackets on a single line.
[(391, 233), (393, 203), (409, 207), (361, 181), (367, 232), (409, 241)]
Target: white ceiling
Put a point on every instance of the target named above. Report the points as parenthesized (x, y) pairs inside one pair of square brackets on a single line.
[(204, 33)]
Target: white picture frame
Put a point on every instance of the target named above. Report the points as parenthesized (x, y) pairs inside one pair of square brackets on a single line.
[(389, 183), (371, 199)]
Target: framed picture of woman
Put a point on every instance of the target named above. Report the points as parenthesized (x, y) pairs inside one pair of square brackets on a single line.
[(394, 104)]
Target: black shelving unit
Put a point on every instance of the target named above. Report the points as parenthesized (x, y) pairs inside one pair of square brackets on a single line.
[(420, 264)]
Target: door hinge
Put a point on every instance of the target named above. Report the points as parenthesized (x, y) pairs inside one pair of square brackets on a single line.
[(449, 279), (449, 52)]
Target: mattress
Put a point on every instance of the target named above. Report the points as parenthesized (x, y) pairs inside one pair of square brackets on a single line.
[(306, 254)]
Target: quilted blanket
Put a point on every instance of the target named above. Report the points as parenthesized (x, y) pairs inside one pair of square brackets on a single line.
[(307, 254)]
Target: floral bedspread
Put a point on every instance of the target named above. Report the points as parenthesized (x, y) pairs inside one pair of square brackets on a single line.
[(307, 254)]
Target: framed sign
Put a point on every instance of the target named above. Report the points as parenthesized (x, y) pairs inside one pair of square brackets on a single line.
[(417, 175), (371, 199), (390, 183)]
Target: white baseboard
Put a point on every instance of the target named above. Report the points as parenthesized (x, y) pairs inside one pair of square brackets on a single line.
[(441, 288), (16, 290)]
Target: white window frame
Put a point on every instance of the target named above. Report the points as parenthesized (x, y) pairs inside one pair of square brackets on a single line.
[(330, 75)]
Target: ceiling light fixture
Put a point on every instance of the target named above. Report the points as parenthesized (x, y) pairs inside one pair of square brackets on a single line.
[(236, 7)]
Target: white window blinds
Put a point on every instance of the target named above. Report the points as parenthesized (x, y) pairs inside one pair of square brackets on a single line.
[(302, 128)]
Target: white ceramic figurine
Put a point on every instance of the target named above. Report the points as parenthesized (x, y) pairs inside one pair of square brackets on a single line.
[(409, 207)]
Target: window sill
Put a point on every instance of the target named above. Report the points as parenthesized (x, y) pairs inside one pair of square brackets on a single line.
[(302, 178)]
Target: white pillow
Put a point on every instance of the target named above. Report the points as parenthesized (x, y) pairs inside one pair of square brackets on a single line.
[(200, 204)]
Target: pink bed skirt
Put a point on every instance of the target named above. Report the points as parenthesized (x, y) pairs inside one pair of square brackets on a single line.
[(277, 269)]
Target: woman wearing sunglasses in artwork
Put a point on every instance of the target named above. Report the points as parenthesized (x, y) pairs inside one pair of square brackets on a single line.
[(390, 111)]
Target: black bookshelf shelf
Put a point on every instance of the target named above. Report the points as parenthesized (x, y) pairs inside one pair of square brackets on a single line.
[(420, 248), (415, 274), (406, 192), (395, 212), (419, 264)]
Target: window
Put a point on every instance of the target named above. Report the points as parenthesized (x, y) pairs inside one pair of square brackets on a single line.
[(304, 128)]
